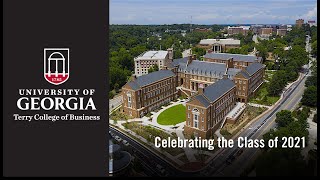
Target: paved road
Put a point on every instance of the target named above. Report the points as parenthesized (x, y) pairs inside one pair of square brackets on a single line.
[(116, 101), (255, 38)]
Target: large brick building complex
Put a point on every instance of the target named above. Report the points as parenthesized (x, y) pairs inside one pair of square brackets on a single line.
[(213, 88)]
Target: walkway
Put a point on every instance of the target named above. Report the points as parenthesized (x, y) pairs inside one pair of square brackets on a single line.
[(312, 134)]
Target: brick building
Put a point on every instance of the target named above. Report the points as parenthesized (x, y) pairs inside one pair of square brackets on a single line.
[(238, 30), (148, 92), (206, 111), (299, 23), (214, 89), (266, 31), (248, 81), (238, 61), (281, 32)]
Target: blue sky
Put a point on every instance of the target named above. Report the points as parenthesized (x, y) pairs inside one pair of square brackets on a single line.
[(211, 11)]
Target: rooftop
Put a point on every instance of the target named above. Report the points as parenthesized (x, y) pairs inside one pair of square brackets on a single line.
[(236, 57), (150, 55), (216, 90), (243, 27), (206, 68), (254, 67), (220, 41), (149, 78)]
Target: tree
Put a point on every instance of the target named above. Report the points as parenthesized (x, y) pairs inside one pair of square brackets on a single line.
[(283, 118), (281, 162), (309, 97), (311, 80), (277, 83), (314, 49), (177, 54)]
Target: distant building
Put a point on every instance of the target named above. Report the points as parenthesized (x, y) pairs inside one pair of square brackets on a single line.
[(299, 23), (144, 61), (202, 30), (266, 31), (239, 61), (312, 23), (281, 32), (219, 45), (256, 27), (238, 30), (289, 27)]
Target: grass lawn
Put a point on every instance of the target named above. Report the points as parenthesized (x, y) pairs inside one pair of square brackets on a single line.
[(262, 96), (173, 115)]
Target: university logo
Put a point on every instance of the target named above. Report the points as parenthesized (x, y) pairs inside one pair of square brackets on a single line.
[(56, 65)]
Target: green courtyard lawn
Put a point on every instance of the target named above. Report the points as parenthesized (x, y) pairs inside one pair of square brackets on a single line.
[(173, 115), (262, 96)]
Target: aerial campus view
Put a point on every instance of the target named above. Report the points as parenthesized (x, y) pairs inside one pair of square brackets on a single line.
[(181, 72)]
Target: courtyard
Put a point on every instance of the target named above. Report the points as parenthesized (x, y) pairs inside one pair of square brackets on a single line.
[(172, 116)]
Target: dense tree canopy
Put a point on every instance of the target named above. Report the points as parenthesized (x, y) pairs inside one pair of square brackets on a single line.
[(309, 97), (284, 118)]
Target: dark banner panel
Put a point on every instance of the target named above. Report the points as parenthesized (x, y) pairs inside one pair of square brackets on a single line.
[(55, 88)]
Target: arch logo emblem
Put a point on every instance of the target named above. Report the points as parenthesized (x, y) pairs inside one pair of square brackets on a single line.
[(56, 65)]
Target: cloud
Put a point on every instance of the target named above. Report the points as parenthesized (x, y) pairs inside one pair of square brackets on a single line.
[(311, 13)]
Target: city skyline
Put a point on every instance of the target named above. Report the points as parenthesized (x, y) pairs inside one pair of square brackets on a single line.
[(211, 12)]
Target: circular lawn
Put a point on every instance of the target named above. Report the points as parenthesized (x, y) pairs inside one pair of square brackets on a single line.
[(174, 115)]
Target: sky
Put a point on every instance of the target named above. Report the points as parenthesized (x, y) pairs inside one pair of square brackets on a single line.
[(211, 11)]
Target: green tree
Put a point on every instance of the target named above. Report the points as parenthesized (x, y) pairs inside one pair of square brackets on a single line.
[(281, 162), (277, 83), (314, 48), (283, 118), (177, 54), (309, 97)]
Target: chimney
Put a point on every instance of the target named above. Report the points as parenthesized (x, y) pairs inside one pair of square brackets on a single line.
[(190, 58), (170, 52), (201, 89), (230, 63), (194, 57)]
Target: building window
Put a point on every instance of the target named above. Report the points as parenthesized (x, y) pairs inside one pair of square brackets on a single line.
[(196, 124), (202, 111), (202, 119), (129, 101), (188, 115), (188, 107), (202, 127)]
